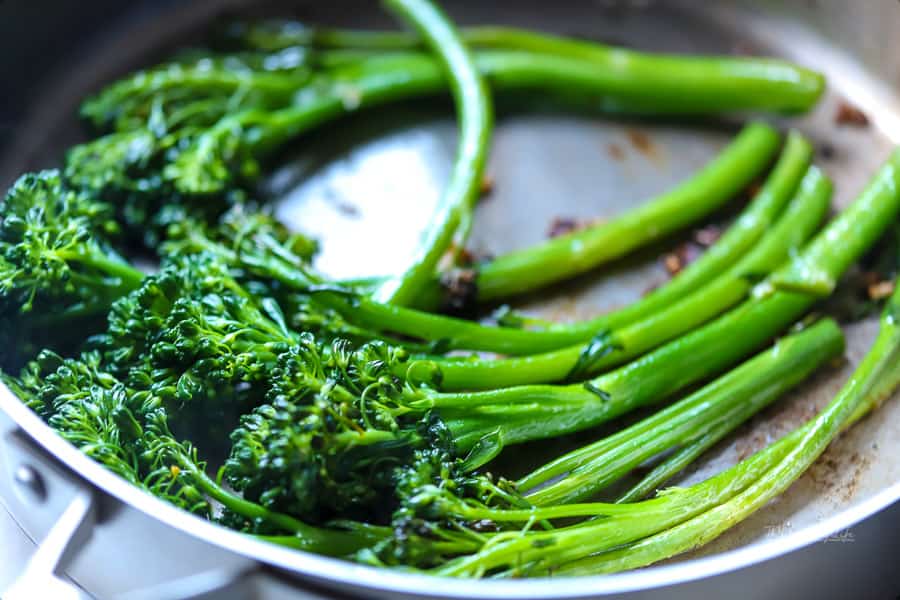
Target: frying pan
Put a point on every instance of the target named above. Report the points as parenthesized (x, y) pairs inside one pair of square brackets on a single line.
[(366, 185)]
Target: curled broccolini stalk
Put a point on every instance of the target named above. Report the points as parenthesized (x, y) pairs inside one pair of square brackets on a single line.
[(453, 217)]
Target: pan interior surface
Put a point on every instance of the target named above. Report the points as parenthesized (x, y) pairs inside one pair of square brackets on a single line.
[(366, 186)]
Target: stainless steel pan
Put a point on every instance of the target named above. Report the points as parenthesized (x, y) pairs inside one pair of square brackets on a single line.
[(113, 540)]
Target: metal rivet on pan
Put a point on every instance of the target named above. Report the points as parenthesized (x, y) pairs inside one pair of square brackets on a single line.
[(30, 484)]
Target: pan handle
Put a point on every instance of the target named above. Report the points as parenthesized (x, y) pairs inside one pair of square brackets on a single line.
[(55, 506), (41, 578), (52, 506)]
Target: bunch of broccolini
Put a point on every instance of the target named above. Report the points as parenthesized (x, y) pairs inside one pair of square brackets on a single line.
[(156, 314)]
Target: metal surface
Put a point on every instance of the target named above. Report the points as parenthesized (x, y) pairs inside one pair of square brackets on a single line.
[(337, 185), (41, 577)]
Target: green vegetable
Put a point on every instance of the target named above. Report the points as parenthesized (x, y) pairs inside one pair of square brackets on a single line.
[(667, 82), (743, 391), (575, 253), (353, 433), (746, 389), (198, 91), (752, 147), (775, 468), (625, 524), (615, 346), (474, 112), (127, 431), (58, 266)]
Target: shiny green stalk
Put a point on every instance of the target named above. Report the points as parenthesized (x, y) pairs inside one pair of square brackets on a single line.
[(875, 378), (475, 116), (616, 346)]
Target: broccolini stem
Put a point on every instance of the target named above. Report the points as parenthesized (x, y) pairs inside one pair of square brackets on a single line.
[(874, 379), (750, 226), (461, 334), (581, 251), (616, 346), (683, 83), (448, 332), (129, 277), (686, 455), (540, 411), (531, 412), (475, 116), (623, 523), (749, 387), (306, 537), (818, 268)]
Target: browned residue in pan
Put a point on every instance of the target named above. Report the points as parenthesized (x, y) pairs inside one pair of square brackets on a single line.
[(683, 255), (563, 225), (486, 188), (615, 152), (643, 144), (837, 473), (707, 236), (880, 289), (848, 114)]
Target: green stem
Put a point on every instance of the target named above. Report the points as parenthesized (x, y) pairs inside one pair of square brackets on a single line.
[(687, 454), (863, 222), (752, 386), (875, 377), (569, 255), (623, 523), (446, 332), (682, 83), (474, 113), (523, 413), (614, 347), (454, 333), (531, 412), (129, 278), (474, 512), (818, 268), (305, 537), (793, 229)]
